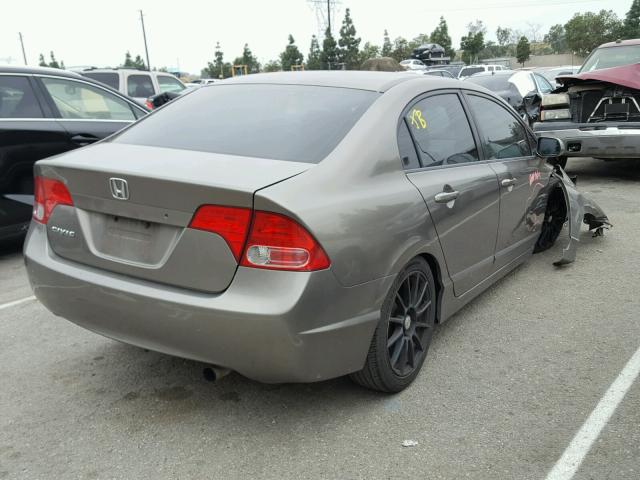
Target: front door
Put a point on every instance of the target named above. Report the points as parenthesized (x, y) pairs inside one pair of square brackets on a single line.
[(461, 194), (506, 143)]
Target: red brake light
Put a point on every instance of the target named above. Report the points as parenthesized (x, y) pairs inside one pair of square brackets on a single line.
[(48, 193), (231, 223), (278, 242)]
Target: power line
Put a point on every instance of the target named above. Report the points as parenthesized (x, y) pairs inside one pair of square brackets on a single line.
[(511, 5)]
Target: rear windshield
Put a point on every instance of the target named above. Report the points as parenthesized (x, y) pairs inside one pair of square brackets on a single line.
[(495, 83), (109, 79), (611, 57), (466, 72), (283, 122)]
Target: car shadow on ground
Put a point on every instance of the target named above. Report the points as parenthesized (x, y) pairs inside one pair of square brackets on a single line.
[(10, 248), (615, 170)]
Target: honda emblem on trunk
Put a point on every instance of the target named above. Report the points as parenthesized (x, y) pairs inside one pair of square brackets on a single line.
[(119, 188)]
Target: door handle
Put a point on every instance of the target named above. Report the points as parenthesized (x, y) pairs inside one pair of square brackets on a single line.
[(508, 182), (446, 197), (84, 139)]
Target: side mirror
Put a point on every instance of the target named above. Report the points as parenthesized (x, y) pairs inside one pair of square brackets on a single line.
[(549, 147)]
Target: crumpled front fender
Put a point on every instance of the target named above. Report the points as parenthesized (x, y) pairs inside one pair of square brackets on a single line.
[(580, 209)]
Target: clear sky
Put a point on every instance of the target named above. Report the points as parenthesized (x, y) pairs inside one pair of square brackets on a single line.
[(90, 32)]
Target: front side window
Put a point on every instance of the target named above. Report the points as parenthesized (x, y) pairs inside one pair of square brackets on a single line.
[(140, 86), (543, 84), (76, 100), (501, 134), (441, 130), (297, 123), (17, 99), (169, 84)]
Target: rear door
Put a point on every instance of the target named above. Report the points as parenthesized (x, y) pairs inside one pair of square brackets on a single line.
[(505, 142), (87, 112), (26, 135), (461, 193), (140, 86)]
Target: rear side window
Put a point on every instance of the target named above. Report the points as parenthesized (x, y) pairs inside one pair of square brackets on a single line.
[(169, 84), (441, 130), (299, 123), (502, 135), (110, 79), (407, 149), (77, 100), (140, 86), (467, 72), (17, 99)]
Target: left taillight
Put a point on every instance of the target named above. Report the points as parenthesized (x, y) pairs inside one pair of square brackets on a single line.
[(48, 193)]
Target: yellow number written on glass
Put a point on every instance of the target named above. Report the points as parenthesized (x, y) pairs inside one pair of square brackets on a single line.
[(417, 120)]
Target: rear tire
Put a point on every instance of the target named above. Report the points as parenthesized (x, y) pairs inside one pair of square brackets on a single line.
[(562, 161), (403, 335)]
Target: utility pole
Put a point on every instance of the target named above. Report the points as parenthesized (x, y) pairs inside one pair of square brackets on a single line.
[(329, 14), (144, 35), (24, 55)]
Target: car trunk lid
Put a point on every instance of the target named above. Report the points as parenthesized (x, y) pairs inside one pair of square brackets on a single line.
[(133, 206)]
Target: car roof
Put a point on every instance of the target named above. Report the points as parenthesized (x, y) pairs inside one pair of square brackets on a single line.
[(362, 80), (619, 43), (38, 70)]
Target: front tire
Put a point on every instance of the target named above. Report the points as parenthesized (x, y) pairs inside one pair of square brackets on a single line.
[(403, 335)]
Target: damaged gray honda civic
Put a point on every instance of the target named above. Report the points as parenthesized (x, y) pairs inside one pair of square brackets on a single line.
[(296, 227)]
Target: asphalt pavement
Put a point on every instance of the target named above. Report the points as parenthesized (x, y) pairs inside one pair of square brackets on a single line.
[(507, 384)]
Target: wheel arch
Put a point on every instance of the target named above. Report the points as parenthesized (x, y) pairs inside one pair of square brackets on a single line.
[(437, 275)]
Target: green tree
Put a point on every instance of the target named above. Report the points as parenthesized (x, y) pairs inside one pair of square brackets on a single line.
[(128, 62), (631, 27), (556, 39), (585, 31), (349, 50), (523, 50), (139, 63), (329, 54), (291, 55), (314, 60), (368, 51), (387, 46), (441, 36), (218, 68), (272, 66), (53, 63), (401, 49), (473, 43), (248, 59), (503, 35), (42, 62)]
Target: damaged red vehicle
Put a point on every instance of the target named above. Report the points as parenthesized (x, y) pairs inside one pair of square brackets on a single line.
[(596, 113)]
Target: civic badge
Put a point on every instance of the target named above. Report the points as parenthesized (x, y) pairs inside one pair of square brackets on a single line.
[(119, 188)]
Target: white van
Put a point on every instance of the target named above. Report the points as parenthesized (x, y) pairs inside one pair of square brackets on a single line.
[(137, 84), (473, 69)]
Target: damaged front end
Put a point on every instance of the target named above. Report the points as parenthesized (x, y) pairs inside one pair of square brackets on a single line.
[(580, 209)]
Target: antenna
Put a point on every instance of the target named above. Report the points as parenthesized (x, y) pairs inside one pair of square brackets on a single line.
[(326, 12)]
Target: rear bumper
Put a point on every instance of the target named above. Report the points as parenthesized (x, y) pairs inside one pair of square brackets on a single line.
[(269, 326), (594, 140)]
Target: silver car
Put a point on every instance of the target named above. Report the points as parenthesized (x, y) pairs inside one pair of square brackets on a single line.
[(299, 227)]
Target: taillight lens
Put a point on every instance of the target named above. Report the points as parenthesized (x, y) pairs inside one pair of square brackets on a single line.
[(48, 193), (278, 242), (149, 104), (231, 223)]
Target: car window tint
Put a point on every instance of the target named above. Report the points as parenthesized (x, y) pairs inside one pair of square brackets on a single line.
[(110, 79), (83, 101), (407, 148), (468, 71), (543, 84), (299, 123), (140, 86), (501, 134), (17, 99), (169, 84), (442, 131)]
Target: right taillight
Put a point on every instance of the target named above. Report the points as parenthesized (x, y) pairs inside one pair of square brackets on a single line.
[(277, 242), (48, 193)]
